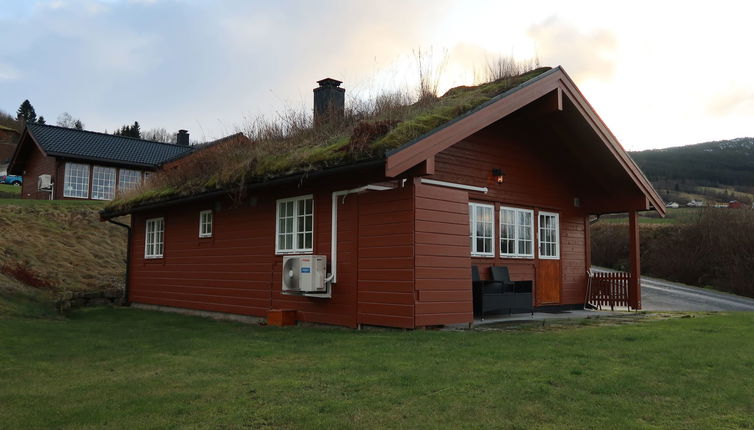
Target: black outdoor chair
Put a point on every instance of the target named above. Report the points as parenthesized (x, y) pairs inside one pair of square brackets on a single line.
[(519, 293), (488, 296)]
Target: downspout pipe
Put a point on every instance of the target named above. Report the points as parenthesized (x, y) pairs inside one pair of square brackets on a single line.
[(333, 277), (126, 300)]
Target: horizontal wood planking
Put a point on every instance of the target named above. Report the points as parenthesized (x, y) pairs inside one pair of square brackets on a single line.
[(532, 180), (386, 258), (443, 280), (236, 270)]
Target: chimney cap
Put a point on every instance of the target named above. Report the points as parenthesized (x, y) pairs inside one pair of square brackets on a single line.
[(182, 131), (327, 82)]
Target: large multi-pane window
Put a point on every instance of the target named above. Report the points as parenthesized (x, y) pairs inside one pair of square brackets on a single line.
[(481, 229), (103, 183), (154, 243), (76, 181), (295, 224), (549, 235), (516, 232), (205, 223), (128, 180)]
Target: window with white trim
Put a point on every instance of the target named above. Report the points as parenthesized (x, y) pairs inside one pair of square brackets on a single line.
[(516, 233), (549, 235), (481, 229), (154, 240), (128, 180), (205, 223), (76, 180), (295, 225), (103, 183)]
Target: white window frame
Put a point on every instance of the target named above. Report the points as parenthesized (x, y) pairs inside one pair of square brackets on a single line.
[(473, 208), (516, 232), (103, 182), (154, 238), (556, 243), (205, 223), (297, 247), (129, 185), (68, 175)]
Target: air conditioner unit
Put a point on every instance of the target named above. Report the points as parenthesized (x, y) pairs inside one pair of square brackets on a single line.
[(44, 183), (305, 275)]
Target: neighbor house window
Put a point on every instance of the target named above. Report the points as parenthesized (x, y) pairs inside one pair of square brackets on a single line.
[(549, 235), (205, 223), (128, 180), (516, 233), (154, 242), (76, 182), (295, 220), (103, 183), (481, 229)]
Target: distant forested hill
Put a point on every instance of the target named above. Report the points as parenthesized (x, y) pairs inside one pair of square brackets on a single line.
[(716, 171)]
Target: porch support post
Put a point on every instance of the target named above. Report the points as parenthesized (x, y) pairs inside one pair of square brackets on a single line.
[(634, 286)]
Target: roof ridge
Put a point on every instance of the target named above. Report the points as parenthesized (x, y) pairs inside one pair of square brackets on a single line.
[(103, 134)]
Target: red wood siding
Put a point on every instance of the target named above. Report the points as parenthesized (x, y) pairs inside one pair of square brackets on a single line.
[(36, 164), (237, 270), (443, 280), (535, 178), (386, 258)]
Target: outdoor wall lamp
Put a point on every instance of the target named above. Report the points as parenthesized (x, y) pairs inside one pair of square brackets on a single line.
[(499, 175)]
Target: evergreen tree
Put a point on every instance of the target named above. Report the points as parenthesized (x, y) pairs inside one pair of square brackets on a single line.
[(129, 130), (78, 125), (26, 112), (41, 120)]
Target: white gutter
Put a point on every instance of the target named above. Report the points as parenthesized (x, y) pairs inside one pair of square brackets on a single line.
[(334, 225), (454, 185)]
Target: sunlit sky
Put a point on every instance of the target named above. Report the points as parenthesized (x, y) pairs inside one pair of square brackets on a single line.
[(659, 73)]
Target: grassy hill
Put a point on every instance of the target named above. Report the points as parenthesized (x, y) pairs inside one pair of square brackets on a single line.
[(716, 172), (49, 246)]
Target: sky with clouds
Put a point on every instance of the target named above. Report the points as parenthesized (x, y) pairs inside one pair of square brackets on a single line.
[(659, 73)]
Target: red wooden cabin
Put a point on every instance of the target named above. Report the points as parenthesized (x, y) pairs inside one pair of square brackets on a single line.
[(513, 182)]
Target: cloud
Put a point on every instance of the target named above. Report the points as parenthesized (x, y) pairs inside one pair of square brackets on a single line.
[(584, 55), (734, 101), (8, 72)]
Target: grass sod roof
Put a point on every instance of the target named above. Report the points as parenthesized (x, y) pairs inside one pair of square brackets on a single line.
[(231, 165)]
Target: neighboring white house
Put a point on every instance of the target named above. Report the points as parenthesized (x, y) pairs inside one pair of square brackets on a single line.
[(695, 204), (672, 205)]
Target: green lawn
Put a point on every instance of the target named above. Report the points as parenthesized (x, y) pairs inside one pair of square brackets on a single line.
[(128, 368), (9, 191)]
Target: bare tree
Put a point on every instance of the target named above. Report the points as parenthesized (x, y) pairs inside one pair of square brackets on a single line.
[(67, 120), (159, 135)]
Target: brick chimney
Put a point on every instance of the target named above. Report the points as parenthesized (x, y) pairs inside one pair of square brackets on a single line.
[(329, 101), (183, 138)]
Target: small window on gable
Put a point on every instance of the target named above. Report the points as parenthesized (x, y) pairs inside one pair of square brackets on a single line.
[(295, 225), (516, 233), (205, 223), (154, 240), (549, 235), (482, 229)]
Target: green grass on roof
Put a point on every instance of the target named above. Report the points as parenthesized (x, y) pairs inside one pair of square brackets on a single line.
[(358, 137)]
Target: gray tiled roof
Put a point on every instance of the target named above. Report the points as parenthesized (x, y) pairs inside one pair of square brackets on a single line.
[(89, 145)]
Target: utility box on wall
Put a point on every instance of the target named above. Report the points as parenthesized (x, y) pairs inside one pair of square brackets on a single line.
[(305, 275)]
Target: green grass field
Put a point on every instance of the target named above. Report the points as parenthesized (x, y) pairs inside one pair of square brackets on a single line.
[(128, 368), (9, 191), (674, 216)]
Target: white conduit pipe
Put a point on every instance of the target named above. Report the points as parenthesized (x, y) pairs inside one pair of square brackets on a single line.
[(334, 225), (454, 185)]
